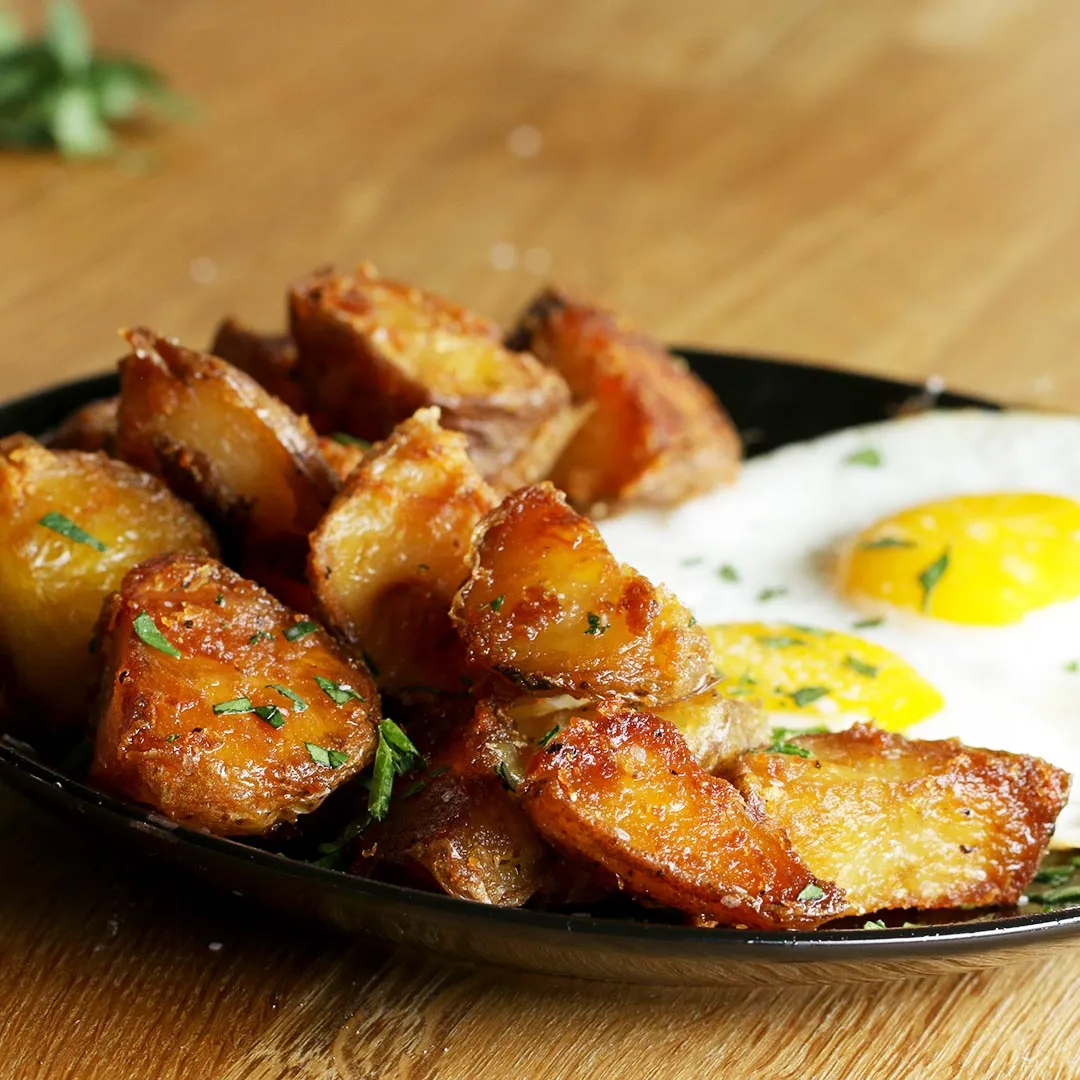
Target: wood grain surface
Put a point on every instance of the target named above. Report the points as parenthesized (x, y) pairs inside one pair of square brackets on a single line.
[(894, 187)]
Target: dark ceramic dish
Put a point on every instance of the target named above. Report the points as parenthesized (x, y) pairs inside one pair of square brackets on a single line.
[(773, 403)]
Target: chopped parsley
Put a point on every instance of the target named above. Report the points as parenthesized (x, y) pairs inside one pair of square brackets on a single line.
[(300, 629), (405, 754), (220, 599), (345, 439), (868, 456), (338, 693), (867, 624), (259, 635), (497, 603), (382, 780), (595, 625), (779, 734), (780, 642), (66, 527), (692, 621), (727, 572), (771, 594), (931, 576), (874, 924), (886, 542), (1072, 667), (694, 560), (149, 634), (1066, 894), (787, 748), (172, 738), (807, 695), (274, 717), (547, 737), (299, 704), (236, 705), (333, 759), (860, 667), (502, 771), (812, 892)]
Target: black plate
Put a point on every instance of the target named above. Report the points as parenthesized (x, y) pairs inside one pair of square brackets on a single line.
[(773, 403)]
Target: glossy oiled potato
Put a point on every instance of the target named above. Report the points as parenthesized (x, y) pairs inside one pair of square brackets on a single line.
[(91, 428), (372, 351), (655, 433), (343, 454), (219, 439), (464, 830), (548, 607), (622, 790), (390, 554), (270, 359), (190, 650), (901, 824), (106, 517)]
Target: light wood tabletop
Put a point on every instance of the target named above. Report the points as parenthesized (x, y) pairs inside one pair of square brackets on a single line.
[(892, 187)]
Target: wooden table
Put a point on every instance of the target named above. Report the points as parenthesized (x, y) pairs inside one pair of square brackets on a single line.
[(890, 186)]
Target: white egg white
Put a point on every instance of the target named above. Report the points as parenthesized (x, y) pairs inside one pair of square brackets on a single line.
[(1005, 688)]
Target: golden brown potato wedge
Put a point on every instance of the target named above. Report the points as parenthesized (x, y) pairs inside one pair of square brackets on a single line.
[(656, 434), (909, 824), (622, 790), (270, 359), (372, 352), (548, 606), (219, 439), (71, 525), (191, 649), (464, 829), (91, 428), (343, 453), (388, 557)]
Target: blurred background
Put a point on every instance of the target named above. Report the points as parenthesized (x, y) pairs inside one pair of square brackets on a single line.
[(888, 186)]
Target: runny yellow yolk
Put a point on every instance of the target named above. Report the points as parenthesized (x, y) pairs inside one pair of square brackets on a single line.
[(819, 675), (981, 559)]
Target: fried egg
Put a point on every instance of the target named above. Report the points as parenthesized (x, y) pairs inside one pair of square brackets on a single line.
[(922, 573)]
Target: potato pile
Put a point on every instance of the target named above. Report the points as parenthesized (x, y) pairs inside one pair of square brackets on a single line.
[(353, 570)]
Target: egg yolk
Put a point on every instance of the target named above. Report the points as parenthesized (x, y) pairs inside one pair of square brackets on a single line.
[(819, 674), (979, 559)]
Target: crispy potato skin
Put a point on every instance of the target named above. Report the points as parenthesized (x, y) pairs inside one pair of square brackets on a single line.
[(389, 555), (342, 458), (548, 606), (159, 741), (270, 359), (656, 434), (52, 587), (465, 831), (372, 352), (220, 440), (917, 824), (91, 428), (622, 790)]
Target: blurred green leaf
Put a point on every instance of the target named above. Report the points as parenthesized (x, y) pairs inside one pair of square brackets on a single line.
[(11, 33), (77, 125), (25, 73), (68, 36)]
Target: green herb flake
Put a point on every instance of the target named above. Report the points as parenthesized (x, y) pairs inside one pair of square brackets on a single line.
[(867, 624), (744, 686), (788, 748), (885, 543), (345, 439), (220, 600), (781, 642), (807, 695), (259, 635), (874, 924), (497, 603), (172, 738), (694, 560), (811, 892), (66, 527), (779, 734), (272, 715), (547, 737), (728, 573), (1072, 667), (405, 754), (236, 705), (338, 693), (148, 633), (1066, 894), (771, 594), (595, 625), (300, 629), (382, 780), (867, 456), (692, 621), (502, 771), (299, 704), (931, 576), (860, 667), (333, 759)]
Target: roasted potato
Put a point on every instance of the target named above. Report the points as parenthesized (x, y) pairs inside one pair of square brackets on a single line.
[(343, 453), (270, 359), (219, 439), (656, 434), (464, 830), (371, 352), (547, 606), (388, 557), (71, 525), (91, 428), (621, 789), (220, 707), (901, 824)]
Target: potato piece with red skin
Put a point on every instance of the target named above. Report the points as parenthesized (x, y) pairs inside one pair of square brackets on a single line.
[(270, 359), (389, 555), (623, 791), (159, 740), (655, 435), (91, 428), (909, 824), (52, 586), (373, 351), (244, 458), (548, 606)]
